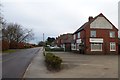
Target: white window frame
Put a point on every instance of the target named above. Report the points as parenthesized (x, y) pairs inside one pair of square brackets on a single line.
[(73, 46), (92, 32), (111, 46), (112, 34), (78, 35), (96, 44)]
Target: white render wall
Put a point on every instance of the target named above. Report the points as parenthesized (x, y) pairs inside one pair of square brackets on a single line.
[(101, 23)]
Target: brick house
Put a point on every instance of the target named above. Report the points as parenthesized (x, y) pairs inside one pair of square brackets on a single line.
[(119, 45), (64, 41), (97, 36)]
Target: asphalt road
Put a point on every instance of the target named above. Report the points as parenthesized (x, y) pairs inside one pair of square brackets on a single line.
[(14, 65)]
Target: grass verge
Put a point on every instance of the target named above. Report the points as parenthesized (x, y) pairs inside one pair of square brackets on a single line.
[(8, 51)]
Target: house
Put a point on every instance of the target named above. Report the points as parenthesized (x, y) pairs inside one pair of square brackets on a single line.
[(57, 41), (97, 36), (64, 41)]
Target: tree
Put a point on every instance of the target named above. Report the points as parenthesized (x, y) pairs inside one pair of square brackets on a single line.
[(50, 40), (41, 43), (15, 34)]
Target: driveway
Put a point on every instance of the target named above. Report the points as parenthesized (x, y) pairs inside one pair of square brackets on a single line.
[(76, 66), (88, 66)]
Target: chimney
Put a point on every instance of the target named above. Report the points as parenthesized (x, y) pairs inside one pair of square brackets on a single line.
[(90, 18)]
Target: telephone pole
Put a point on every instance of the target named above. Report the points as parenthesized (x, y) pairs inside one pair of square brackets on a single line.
[(43, 45)]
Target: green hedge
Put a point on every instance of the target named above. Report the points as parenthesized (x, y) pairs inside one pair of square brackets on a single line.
[(55, 49), (53, 62)]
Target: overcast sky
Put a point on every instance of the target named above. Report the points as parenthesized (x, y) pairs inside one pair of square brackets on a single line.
[(55, 17)]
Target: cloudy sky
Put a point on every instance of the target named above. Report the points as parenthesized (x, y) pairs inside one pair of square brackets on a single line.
[(55, 17)]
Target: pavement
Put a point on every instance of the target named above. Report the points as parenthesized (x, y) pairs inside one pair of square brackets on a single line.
[(15, 64), (75, 66), (37, 68)]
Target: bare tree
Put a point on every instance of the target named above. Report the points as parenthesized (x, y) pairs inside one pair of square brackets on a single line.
[(15, 32)]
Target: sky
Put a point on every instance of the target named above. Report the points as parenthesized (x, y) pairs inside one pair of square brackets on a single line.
[(55, 17)]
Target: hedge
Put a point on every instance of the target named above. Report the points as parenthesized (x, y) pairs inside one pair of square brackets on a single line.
[(53, 62), (20, 45), (5, 45)]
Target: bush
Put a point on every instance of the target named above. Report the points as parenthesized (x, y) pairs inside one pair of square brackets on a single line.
[(20, 45), (53, 62), (5, 45), (13, 45)]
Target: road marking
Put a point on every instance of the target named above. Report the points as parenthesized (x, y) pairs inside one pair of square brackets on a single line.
[(93, 65)]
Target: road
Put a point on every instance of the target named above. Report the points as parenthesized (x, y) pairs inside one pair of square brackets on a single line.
[(14, 65)]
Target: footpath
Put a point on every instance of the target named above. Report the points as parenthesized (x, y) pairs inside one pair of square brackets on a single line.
[(37, 68)]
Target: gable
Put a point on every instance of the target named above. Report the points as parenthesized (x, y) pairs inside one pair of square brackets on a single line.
[(101, 23)]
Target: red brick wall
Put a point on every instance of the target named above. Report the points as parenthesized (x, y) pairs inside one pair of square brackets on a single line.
[(87, 43), (102, 33)]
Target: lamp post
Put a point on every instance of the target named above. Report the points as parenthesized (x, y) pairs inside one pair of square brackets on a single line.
[(43, 45)]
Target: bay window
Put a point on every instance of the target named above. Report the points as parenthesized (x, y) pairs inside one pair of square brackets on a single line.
[(96, 47)]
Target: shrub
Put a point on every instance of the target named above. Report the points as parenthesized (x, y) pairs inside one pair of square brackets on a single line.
[(13, 45), (47, 49), (20, 45), (5, 45), (53, 62)]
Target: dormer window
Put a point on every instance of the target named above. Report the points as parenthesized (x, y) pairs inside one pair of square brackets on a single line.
[(93, 33)]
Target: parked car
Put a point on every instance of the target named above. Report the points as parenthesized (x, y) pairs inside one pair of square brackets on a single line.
[(53, 47)]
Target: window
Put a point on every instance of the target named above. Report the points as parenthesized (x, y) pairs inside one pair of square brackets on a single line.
[(74, 36), (73, 46), (93, 33), (79, 35), (112, 46), (96, 47), (112, 34)]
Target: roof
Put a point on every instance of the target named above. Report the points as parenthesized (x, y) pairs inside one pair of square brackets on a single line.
[(82, 27), (89, 22), (65, 38)]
